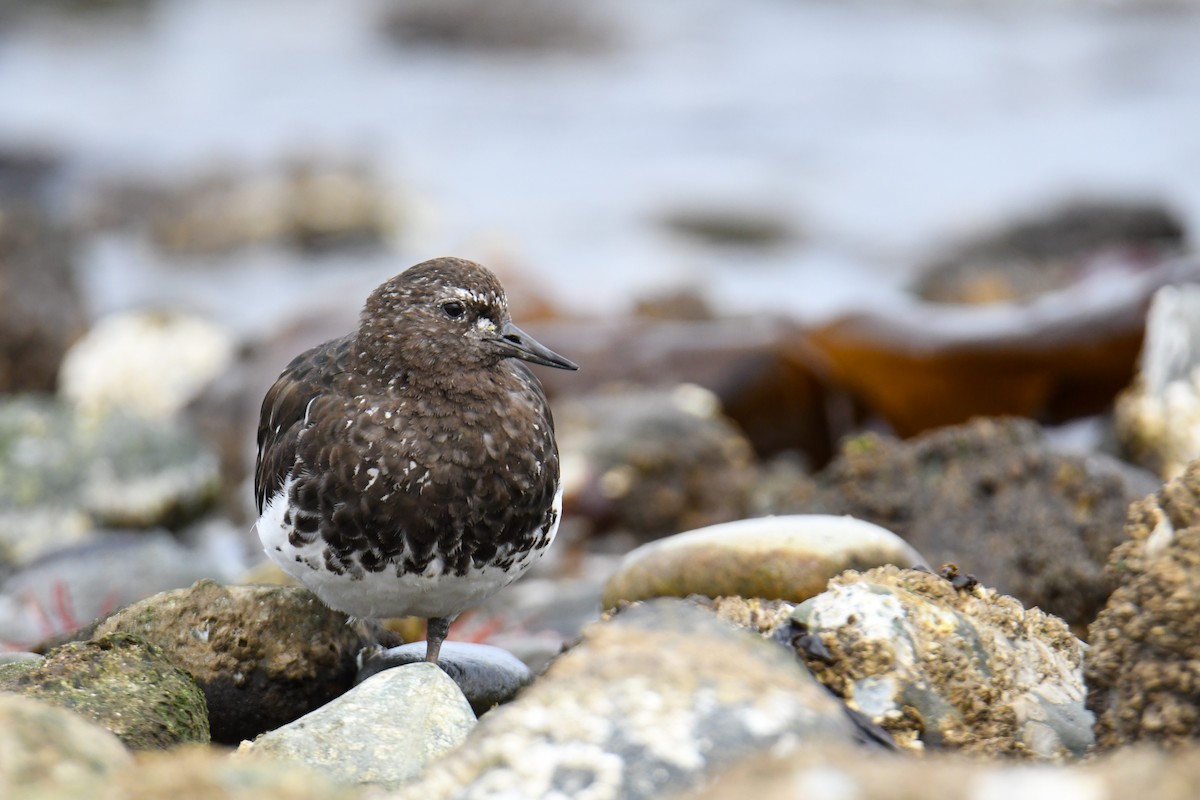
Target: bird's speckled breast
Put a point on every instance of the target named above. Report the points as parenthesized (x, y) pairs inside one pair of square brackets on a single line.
[(399, 481)]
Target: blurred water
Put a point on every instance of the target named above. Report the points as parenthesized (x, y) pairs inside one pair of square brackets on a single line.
[(878, 129)]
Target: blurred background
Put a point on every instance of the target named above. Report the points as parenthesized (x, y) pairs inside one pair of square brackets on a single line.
[(829, 216)]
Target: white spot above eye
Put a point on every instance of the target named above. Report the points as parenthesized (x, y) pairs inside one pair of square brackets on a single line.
[(478, 298)]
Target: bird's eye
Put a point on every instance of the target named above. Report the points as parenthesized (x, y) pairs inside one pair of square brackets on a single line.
[(453, 309)]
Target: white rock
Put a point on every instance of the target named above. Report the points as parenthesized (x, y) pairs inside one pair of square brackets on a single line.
[(150, 362)]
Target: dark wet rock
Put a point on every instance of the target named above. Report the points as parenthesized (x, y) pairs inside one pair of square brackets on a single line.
[(486, 675), (44, 745), (85, 10), (123, 684), (1142, 664), (307, 204), (41, 312), (653, 462), (992, 497), (949, 665), (731, 227), (356, 739), (208, 773), (28, 172), (763, 371), (1157, 419), (263, 655), (828, 772), (778, 558), (1062, 355), (655, 700), (149, 362), (61, 592), (509, 26), (1050, 252), (62, 473)]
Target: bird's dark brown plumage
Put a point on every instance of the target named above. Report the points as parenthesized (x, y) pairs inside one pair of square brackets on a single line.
[(411, 467)]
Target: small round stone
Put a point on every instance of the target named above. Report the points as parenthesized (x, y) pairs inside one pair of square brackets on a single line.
[(487, 675)]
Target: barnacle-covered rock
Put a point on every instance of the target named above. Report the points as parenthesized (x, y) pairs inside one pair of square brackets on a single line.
[(940, 661), (1143, 667)]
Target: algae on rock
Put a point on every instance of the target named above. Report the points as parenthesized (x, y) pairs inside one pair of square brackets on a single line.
[(123, 684)]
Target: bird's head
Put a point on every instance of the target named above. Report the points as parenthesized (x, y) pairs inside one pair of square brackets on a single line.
[(446, 314)]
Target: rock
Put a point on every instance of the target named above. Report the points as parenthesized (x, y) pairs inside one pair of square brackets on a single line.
[(61, 475), (826, 772), (1145, 648), (1062, 355), (947, 664), (264, 656), (785, 558), (992, 497), (653, 462), (41, 311), (63, 591), (208, 773), (487, 676), (307, 204), (1038, 255), (43, 744), (149, 362), (752, 613), (656, 700), (356, 738), (1157, 419), (731, 227), (520, 26), (18, 657), (684, 303), (121, 683), (762, 370)]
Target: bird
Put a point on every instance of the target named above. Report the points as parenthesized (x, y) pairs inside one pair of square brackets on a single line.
[(409, 468)]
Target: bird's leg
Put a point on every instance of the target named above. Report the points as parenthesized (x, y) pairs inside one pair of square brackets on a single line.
[(435, 632)]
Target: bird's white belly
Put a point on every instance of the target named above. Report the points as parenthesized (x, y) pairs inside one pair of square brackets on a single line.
[(382, 594)]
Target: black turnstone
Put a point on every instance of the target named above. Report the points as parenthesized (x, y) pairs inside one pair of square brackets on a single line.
[(409, 468)]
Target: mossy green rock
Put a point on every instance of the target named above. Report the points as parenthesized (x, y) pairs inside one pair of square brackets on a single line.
[(263, 655), (123, 684)]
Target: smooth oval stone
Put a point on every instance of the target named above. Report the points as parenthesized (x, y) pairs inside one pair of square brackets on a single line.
[(487, 675), (383, 731), (780, 558)]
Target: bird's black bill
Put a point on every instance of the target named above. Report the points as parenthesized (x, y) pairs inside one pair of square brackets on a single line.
[(516, 343)]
